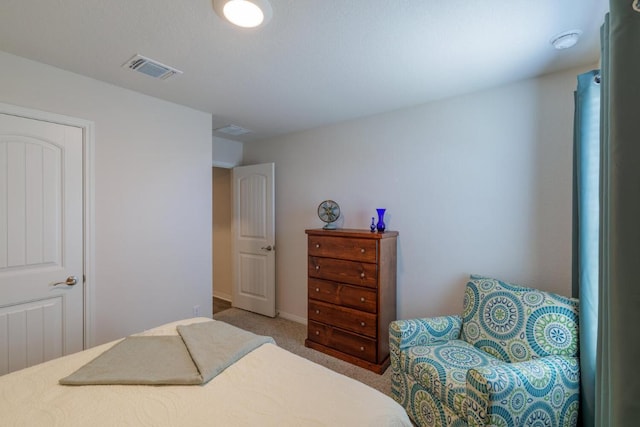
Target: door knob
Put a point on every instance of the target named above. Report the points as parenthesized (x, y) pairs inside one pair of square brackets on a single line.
[(267, 248), (71, 280)]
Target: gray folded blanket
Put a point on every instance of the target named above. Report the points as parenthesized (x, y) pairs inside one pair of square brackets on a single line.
[(195, 356)]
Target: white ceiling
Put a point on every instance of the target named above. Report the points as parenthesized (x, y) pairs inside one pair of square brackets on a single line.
[(316, 62)]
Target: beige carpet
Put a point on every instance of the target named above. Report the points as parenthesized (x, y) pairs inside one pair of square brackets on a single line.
[(291, 335)]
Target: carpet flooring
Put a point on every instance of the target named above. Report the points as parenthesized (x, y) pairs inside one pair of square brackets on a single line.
[(291, 335), (220, 305)]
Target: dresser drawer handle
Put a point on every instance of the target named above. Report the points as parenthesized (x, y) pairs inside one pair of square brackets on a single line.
[(361, 348), (361, 299), (317, 245), (317, 289), (362, 275), (317, 332), (362, 250), (317, 311), (317, 267), (362, 323)]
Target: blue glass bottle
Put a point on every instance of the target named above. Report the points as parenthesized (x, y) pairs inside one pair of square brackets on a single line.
[(380, 225)]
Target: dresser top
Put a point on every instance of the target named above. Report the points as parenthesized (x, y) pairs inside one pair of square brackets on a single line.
[(352, 232)]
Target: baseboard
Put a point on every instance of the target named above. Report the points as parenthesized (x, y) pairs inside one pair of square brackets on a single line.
[(223, 296), (292, 317)]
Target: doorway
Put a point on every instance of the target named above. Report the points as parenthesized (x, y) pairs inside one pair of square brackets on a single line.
[(244, 247), (222, 279)]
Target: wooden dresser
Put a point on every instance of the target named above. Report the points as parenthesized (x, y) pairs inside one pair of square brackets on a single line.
[(352, 294)]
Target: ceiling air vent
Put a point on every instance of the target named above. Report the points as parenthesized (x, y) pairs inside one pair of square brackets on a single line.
[(233, 130), (150, 67)]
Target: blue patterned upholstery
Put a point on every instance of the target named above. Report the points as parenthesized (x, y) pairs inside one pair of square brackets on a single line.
[(510, 360)]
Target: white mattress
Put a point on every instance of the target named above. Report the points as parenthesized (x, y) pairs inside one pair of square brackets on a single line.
[(268, 387)]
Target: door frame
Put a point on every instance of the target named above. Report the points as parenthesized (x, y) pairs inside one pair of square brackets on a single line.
[(88, 142)]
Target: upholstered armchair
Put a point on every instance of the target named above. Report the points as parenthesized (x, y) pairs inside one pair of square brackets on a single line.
[(511, 359)]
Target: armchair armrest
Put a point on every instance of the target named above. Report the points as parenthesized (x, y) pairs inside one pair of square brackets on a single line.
[(413, 332), (516, 393)]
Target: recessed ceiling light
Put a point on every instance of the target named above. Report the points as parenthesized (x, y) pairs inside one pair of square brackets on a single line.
[(566, 40), (244, 13)]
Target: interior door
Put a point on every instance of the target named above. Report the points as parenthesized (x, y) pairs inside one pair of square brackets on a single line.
[(253, 247), (41, 241)]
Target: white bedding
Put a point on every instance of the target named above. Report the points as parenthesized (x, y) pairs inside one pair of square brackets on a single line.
[(268, 387)]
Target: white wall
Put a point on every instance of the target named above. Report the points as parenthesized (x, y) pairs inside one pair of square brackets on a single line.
[(226, 153), (152, 194), (475, 184)]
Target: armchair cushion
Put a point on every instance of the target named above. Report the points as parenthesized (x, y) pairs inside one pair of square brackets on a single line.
[(515, 323)]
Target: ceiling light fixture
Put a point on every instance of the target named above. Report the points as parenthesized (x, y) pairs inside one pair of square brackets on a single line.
[(244, 13), (566, 40)]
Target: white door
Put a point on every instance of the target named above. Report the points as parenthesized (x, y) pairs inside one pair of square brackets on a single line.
[(253, 247), (41, 241)]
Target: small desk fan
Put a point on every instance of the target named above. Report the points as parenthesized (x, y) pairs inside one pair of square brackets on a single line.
[(329, 212)]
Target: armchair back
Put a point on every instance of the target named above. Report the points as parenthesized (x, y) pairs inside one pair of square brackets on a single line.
[(515, 323)]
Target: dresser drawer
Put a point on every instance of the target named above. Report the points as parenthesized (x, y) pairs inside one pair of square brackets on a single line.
[(343, 341), (342, 317), (345, 295), (344, 248), (337, 270)]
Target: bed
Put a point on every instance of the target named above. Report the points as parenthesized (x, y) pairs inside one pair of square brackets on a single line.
[(269, 386)]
